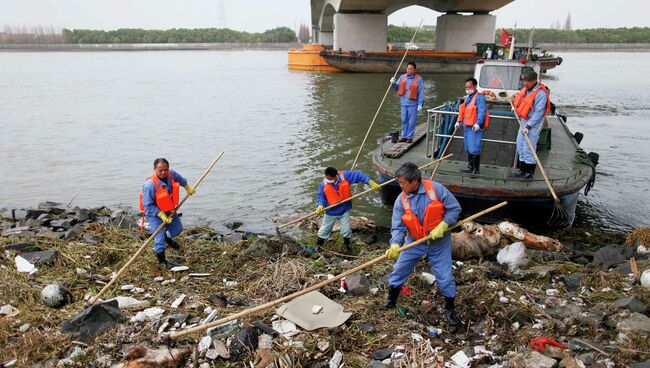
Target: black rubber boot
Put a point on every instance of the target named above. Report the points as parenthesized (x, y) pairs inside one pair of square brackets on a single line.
[(530, 172), (450, 313), (162, 261), (172, 243), (391, 302), (522, 170), (346, 243), (319, 243), (477, 165), (470, 165)]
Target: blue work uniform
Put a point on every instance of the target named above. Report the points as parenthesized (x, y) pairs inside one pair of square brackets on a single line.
[(410, 107), (151, 210), (535, 119), (438, 251), (472, 139), (342, 211)]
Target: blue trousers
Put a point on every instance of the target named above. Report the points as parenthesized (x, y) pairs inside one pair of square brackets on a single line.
[(171, 230), (409, 115), (472, 141), (525, 154), (439, 254), (328, 223)]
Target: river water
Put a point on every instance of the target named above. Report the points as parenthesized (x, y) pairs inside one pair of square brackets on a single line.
[(85, 127)]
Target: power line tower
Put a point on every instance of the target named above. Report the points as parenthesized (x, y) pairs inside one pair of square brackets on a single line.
[(221, 15)]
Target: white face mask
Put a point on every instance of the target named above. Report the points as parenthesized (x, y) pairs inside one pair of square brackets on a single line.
[(469, 91), (328, 181)]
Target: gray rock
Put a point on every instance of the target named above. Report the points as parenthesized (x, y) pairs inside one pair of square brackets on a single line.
[(572, 282), (44, 219), (234, 224), (357, 284), (34, 213), (382, 354), (586, 358), (90, 238), (633, 303), (22, 247), (72, 233), (41, 257), (612, 255), (636, 322), (566, 311), (645, 364), (535, 359), (375, 364), (62, 223), (234, 238)]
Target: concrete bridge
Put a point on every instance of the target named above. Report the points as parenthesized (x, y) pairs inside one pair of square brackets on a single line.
[(363, 24)]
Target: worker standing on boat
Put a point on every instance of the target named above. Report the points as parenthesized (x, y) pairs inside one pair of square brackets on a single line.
[(531, 106), (410, 88), (424, 209), (472, 114), (159, 197), (334, 188)]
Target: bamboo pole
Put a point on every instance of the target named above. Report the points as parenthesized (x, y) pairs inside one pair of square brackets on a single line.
[(150, 239), (273, 303), (357, 195), (384, 99)]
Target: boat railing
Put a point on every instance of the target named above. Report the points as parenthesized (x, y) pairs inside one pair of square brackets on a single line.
[(443, 117)]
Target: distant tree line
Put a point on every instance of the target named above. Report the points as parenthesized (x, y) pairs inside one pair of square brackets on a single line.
[(404, 34), (42, 34), (546, 35)]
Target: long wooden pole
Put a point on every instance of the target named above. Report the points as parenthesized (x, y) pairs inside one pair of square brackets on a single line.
[(384, 99), (273, 303), (357, 195), (150, 239), (435, 169), (532, 149)]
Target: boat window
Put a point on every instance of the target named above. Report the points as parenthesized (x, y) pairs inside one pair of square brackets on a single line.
[(492, 76)]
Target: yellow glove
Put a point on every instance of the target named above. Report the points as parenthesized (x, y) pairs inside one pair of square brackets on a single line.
[(373, 184), (320, 210), (166, 219), (392, 252), (439, 231), (189, 189)]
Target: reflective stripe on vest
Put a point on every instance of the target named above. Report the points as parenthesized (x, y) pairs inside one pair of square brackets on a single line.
[(523, 104), (433, 213), (469, 114), (165, 201), (335, 196), (413, 88)]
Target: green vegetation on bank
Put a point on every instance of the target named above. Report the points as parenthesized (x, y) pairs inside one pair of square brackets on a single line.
[(540, 35), (177, 35)]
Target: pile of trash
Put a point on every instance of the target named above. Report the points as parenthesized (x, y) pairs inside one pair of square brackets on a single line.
[(524, 300)]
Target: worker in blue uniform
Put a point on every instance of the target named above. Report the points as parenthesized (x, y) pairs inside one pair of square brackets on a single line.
[(410, 88), (531, 104), (159, 197), (334, 188), (424, 209), (472, 116)]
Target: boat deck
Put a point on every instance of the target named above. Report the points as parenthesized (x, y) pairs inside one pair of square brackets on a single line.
[(497, 163)]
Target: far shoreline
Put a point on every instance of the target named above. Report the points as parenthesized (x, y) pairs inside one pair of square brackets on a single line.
[(282, 46)]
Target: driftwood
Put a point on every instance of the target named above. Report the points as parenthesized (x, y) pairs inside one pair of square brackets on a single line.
[(478, 240), (141, 357), (357, 223)]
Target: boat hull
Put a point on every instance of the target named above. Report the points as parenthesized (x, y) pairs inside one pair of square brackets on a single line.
[(440, 63), (533, 213)]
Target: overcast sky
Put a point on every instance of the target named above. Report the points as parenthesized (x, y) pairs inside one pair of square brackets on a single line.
[(259, 15)]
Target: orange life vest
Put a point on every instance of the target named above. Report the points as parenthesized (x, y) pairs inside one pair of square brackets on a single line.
[(335, 196), (524, 103), (413, 89), (433, 213), (469, 113), (165, 201)]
